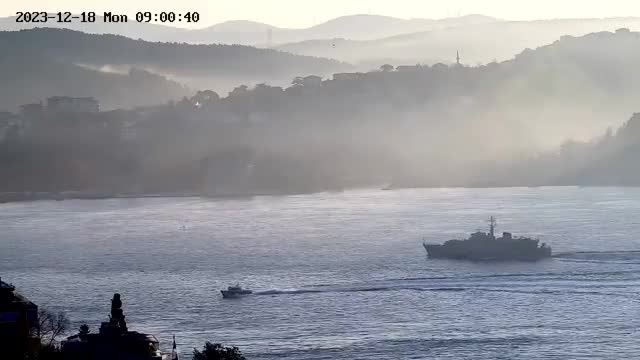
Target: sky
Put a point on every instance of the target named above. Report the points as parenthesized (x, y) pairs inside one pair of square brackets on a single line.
[(305, 13)]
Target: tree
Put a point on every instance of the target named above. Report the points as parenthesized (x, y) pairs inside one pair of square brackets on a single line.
[(239, 90), (205, 97), (386, 68), (52, 326), (217, 352), (298, 81)]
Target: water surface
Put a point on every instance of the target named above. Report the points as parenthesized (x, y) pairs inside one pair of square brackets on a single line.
[(342, 275)]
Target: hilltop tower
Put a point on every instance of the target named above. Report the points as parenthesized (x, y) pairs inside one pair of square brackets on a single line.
[(458, 58)]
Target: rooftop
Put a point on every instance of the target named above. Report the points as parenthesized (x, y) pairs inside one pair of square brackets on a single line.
[(6, 286)]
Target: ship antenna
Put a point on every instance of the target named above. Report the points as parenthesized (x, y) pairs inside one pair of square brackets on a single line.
[(492, 226)]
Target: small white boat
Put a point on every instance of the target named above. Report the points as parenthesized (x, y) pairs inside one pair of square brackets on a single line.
[(233, 292)]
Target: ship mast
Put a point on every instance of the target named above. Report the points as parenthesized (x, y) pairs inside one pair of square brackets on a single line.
[(492, 226)]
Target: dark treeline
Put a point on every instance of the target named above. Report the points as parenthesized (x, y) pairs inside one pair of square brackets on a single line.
[(38, 61), (412, 126), (609, 160), (202, 144)]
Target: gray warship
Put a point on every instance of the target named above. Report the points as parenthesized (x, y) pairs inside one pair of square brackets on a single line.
[(481, 246)]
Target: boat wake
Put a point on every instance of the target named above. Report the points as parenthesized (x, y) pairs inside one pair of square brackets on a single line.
[(619, 257), (353, 289), (609, 281), (564, 291)]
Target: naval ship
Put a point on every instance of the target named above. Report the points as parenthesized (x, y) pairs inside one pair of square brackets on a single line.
[(481, 246)]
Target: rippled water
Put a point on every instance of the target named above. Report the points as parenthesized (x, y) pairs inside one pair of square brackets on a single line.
[(342, 276)]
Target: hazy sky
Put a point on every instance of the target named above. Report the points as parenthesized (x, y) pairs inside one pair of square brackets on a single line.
[(303, 13)]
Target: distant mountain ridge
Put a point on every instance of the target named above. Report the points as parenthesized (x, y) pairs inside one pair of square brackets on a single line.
[(371, 40), (243, 32), (477, 43), (176, 58), (240, 26), (99, 61)]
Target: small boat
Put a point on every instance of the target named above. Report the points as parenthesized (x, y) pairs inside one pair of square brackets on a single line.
[(234, 292)]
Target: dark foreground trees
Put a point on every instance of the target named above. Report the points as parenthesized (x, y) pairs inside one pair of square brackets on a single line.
[(217, 352), (52, 327), (43, 341)]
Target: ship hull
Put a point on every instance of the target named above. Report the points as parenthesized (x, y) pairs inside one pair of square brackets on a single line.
[(226, 294), (487, 253)]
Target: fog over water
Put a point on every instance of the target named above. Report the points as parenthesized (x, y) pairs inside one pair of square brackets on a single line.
[(342, 275)]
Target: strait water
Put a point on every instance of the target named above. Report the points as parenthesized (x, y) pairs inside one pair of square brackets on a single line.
[(344, 275)]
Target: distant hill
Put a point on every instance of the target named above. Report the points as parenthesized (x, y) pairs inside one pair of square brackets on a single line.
[(440, 125), (454, 125), (239, 32), (369, 40), (132, 29), (611, 161), (29, 77), (477, 42), (218, 67), (370, 27), (355, 27), (240, 26)]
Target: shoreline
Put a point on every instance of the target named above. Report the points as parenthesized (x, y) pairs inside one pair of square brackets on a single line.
[(15, 197)]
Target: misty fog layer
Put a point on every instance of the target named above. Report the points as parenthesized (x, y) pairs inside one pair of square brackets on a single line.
[(411, 126)]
